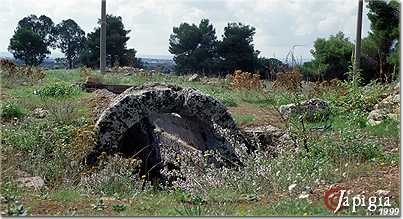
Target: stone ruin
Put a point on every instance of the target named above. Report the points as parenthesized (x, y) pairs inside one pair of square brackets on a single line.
[(142, 121)]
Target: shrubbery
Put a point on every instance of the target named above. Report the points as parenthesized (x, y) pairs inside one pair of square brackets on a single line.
[(10, 110), (59, 89), (20, 74)]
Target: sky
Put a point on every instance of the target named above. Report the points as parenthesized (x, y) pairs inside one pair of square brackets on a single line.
[(279, 24)]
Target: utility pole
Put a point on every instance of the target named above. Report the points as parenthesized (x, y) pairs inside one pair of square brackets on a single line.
[(102, 64), (357, 54)]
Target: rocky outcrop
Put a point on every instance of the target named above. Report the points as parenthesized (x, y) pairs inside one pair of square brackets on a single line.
[(142, 120), (312, 110), (389, 107)]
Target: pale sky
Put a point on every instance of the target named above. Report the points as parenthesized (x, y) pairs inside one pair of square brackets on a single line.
[(279, 23)]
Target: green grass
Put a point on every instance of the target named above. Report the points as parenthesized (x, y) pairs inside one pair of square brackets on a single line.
[(65, 195), (49, 148), (388, 128)]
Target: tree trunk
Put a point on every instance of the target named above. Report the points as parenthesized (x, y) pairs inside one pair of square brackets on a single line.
[(70, 63)]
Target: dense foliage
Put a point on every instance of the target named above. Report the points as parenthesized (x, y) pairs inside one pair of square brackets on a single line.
[(380, 49), (32, 38), (116, 49), (197, 50), (70, 40), (194, 47)]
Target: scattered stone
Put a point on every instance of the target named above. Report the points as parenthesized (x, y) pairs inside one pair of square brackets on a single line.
[(312, 109), (40, 113), (194, 77), (303, 195), (389, 107), (35, 182)]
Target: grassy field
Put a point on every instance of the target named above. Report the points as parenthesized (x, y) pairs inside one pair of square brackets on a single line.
[(350, 153)]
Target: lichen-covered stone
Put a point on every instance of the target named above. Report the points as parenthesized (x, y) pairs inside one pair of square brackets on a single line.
[(138, 116)]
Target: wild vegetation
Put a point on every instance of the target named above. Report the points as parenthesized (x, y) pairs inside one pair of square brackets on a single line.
[(47, 122), (289, 183)]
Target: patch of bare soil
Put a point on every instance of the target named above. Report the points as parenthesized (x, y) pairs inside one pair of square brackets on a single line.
[(264, 116), (380, 181)]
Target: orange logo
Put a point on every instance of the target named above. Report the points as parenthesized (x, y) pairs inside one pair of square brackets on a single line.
[(333, 198)]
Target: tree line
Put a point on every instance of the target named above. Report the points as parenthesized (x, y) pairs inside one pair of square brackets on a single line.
[(35, 36), (196, 48)]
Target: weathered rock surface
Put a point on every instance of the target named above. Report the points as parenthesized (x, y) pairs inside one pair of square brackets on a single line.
[(268, 138), (312, 109), (142, 120), (387, 108)]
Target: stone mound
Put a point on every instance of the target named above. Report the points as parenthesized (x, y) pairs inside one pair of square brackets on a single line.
[(389, 107)]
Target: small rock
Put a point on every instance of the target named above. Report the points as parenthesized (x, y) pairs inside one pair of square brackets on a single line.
[(312, 109), (194, 77), (40, 113), (35, 182)]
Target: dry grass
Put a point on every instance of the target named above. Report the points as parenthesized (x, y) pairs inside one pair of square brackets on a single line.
[(244, 80)]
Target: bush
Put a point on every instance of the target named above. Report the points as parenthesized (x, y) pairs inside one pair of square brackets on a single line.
[(58, 89), (10, 110), (359, 98), (19, 74), (245, 80), (288, 80)]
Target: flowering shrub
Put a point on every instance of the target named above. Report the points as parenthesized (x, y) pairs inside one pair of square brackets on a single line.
[(245, 80)]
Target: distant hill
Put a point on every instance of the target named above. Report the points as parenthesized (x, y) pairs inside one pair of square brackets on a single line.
[(6, 55), (161, 63)]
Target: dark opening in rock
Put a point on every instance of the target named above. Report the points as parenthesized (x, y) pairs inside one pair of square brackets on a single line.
[(156, 122)]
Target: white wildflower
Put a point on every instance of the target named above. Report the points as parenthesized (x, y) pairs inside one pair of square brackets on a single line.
[(291, 187), (303, 195)]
